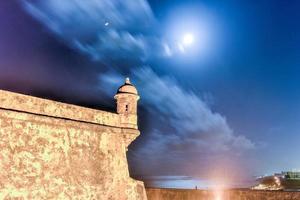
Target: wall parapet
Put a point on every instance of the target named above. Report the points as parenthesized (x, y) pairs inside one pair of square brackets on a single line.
[(34, 105)]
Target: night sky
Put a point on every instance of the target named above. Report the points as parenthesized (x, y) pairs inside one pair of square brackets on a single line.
[(218, 80)]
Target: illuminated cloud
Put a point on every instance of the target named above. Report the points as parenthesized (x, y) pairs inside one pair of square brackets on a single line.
[(105, 30), (184, 129), (183, 125)]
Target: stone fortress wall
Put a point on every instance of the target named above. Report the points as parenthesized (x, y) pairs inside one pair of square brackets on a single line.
[(53, 150), (238, 194)]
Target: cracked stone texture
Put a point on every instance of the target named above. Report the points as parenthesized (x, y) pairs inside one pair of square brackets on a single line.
[(51, 150)]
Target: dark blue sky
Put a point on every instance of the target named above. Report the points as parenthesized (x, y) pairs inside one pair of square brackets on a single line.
[(230, 99)]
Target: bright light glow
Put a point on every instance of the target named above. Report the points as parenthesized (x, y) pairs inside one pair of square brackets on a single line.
[(186, 42), (218, 195), (188, 39), (219, 188), (218, 192), (189, 33)]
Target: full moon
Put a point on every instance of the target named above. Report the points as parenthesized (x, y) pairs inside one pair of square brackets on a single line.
[(188, 39)]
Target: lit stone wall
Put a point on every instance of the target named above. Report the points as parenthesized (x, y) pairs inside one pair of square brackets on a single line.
[(52, 150), (180, 194)]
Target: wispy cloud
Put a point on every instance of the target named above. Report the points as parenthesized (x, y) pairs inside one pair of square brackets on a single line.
[(183, 126), (104, 30), (184, 129)]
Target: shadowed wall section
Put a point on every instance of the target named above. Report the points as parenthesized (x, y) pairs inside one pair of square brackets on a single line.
[(52, 150), (182, 194)]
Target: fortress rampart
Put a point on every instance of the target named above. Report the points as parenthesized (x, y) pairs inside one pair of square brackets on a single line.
[(52, 150)]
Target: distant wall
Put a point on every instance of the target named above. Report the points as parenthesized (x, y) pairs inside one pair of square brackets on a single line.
[(182, 194)]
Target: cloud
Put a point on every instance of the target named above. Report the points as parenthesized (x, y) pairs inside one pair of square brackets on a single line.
[(184, 128), (102, 29), (185, 135)]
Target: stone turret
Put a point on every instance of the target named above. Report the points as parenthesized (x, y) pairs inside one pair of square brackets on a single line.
[(127, 98)]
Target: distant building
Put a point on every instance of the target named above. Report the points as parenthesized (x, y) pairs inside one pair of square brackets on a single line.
[(289, 180), (291, 175)]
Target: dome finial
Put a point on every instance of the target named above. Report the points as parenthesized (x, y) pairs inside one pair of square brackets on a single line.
[(127, 88), (127, 80)]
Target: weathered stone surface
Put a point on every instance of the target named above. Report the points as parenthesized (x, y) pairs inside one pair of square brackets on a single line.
[(181, 194), (52, 150)]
